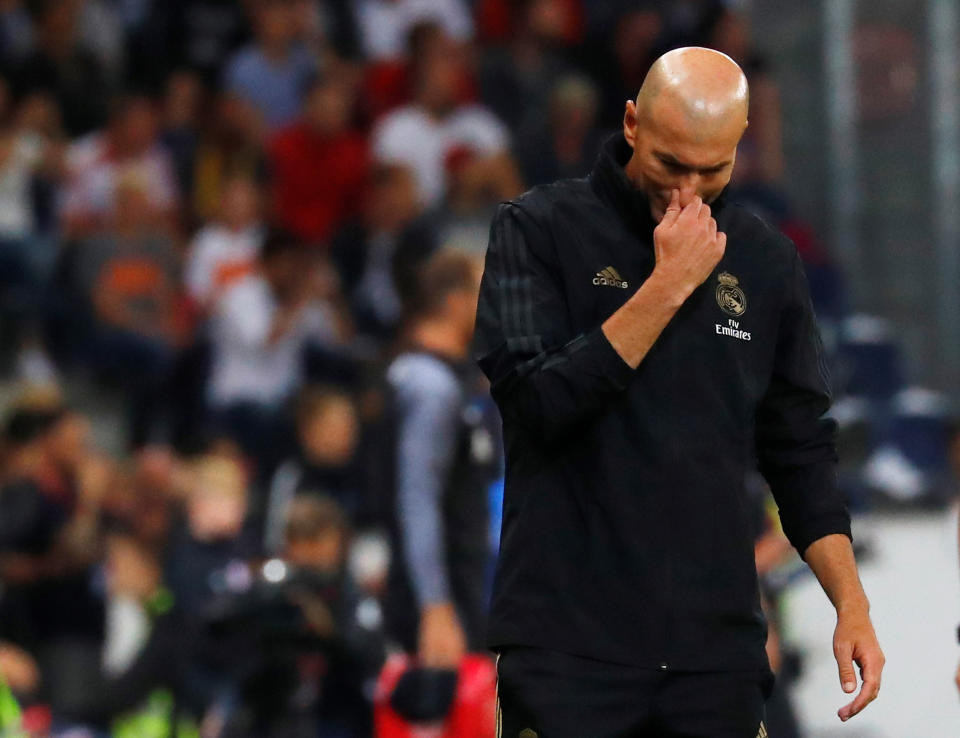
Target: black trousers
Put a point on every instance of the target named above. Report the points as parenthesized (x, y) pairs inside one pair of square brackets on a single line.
[(547, 694)]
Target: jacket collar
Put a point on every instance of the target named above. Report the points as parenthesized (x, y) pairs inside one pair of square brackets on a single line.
[(609, 181)]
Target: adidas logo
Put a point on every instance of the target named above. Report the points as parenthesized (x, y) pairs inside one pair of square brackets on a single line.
[(610, 277)]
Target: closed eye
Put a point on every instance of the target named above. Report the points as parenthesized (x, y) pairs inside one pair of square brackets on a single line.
[(680, 168), (675, 168)]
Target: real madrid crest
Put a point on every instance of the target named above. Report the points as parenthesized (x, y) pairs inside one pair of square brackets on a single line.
[(730, 297)]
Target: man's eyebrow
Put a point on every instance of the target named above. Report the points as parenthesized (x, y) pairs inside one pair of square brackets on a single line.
[(674, 161)]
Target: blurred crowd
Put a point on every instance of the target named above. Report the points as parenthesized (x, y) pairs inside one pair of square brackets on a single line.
[(224, 214)]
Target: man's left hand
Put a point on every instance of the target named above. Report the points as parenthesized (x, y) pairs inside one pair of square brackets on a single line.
[(854, 640)]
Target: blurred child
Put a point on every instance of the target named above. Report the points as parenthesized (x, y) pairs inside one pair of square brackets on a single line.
[(328, 430), (213, 537)]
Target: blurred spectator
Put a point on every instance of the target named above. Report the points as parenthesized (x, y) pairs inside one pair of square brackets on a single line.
[(27, 145), (328, 430), (101, 31), (134, 574), (30, 151), (385, 24), (379, 253), (231, 145), (130, 272), (297, 646), (225, 250), (319, 165), (214, 534), (388, 83), (128, 147), (49, 513), (436, 132), (271, 73), (566, 142), (61, 66), (137, 687), (316, 539), (207, 558), (327, 29), (527, 66), (436, 588), (160, 645), (147, 494), (16, 32), (179, 127), (623, 57), (258, 331), (195, 34), (760, 155)]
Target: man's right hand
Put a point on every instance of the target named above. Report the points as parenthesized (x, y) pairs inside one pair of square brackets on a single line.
[(442, 642), (688, 246)]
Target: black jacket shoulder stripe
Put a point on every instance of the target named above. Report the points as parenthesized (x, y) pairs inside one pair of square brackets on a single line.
[(517, 288), (511, 275)]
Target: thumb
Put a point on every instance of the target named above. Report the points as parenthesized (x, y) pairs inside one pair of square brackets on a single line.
[(848, 677), (673, 209)]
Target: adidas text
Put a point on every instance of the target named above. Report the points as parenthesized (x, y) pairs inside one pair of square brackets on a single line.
[(609, 277)]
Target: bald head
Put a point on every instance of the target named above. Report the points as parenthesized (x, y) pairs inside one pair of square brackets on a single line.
[(706, 88), (685, 125)]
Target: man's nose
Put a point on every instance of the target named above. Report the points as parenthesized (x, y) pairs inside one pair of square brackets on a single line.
[(689, 186)]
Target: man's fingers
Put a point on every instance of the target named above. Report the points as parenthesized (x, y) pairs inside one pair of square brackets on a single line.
[(673, 209), (868, 693), (844, 655), (722, 242), (871, 667), (692, 211)]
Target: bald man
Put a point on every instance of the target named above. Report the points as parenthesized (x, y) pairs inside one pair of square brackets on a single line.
[(647, 344)]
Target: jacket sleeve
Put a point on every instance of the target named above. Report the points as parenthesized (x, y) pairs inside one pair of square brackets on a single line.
[(796, 444), (542, 376)]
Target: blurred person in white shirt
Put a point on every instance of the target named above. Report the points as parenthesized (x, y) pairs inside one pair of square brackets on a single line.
[(259, 330), (437, 129), (224, 251), (30, 155), (130, 143)]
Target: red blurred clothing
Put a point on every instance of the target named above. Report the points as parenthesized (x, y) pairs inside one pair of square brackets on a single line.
[(495, 22), (388, 85), (318, 180)]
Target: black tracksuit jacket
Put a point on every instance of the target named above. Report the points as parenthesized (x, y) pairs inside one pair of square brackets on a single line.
[(626, 524)]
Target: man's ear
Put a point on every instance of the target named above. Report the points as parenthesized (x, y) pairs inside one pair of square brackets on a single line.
[(630, 123)]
